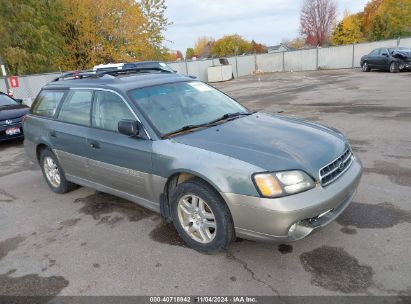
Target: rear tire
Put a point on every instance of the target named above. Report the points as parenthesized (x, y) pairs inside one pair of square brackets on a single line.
[(365, 67), (201, 217), (394, 67), (53, 173)]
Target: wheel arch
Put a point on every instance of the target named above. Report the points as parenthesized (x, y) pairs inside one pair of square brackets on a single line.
[(39, 148), (176, 178)]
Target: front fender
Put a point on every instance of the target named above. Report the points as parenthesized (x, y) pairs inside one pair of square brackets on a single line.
[(224, 173)]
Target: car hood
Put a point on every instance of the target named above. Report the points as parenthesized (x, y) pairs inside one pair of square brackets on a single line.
[(271, 142), (401, 55), (13, 111)]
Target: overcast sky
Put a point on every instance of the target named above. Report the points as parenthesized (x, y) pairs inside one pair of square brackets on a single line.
[(265, 21)]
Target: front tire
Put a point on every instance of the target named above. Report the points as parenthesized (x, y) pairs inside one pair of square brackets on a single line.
[(365, 67), (53, 173), (394, 67), (201, 217)]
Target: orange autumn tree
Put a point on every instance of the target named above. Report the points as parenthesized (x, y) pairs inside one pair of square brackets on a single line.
[(103, 31), (368, 16)]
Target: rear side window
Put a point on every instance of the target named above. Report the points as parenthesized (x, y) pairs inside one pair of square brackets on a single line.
[(383, 51), (76, 108), (47, 102)]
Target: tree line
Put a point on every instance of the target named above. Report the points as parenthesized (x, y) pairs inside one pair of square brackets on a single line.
[(229, 45), (380, 19), (47, 35)]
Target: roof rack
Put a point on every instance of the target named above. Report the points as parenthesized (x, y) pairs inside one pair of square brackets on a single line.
[(75, 75), (113, 72), (118, 72)]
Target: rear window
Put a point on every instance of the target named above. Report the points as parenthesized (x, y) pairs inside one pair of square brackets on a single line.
[(47, 102)]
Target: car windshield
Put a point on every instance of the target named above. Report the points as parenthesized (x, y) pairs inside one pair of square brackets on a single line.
[(6, 101), (171, 107)]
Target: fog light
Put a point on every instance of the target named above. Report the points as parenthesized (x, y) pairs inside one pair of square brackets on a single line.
[(292, 228)]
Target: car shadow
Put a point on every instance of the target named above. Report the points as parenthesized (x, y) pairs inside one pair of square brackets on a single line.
[(12, 143)]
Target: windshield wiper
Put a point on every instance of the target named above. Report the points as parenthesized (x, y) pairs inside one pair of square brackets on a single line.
[(182, 129), (207, 124), (229, 115)]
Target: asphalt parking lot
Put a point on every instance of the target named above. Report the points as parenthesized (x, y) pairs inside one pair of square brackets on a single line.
[(88, 243)]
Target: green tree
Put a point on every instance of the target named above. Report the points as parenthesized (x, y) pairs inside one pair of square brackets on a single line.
[(30, 41), (230, 45), (155, 25), (348, 30), (190, 53), (393, 19)]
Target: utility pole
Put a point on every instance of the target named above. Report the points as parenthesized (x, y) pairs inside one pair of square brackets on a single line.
[(4, 74)]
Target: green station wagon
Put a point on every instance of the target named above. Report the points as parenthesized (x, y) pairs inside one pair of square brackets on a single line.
[(182, 148)]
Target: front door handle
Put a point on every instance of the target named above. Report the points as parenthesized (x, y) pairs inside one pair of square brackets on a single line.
[(94, 144)]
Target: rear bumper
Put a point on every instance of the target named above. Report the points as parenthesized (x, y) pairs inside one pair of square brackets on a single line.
[(296, 216)]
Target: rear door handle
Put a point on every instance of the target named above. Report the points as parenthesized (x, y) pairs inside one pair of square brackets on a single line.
[(53, 134), (94, 144)]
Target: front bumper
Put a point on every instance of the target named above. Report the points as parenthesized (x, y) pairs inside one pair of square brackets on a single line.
[(405, 66), (4, 136), (296, 216)]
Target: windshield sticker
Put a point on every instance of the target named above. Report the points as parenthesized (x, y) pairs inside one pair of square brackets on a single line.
[(200, 86)]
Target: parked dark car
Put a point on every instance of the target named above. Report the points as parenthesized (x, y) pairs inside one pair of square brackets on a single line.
[(182, 148), (394, 59), (12, 112)]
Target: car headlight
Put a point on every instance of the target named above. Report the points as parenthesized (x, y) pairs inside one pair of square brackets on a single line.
[(282, 183)]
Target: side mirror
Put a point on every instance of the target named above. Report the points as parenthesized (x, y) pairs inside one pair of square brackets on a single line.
[(19, 100), (128, 127), (384, 54)]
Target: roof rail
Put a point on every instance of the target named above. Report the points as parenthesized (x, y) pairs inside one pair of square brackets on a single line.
[(117, 72), (114, 72), (75, 75)]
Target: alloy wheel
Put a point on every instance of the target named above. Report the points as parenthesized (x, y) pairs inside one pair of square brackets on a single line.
[(197, 218), (51, 171)]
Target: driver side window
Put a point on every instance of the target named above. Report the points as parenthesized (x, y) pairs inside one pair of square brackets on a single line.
[(108, 110)]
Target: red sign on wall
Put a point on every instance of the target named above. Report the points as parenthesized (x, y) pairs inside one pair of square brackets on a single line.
[(14, 82)]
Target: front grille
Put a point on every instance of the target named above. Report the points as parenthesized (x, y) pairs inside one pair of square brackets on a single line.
[(336, 168), (10, 122)]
